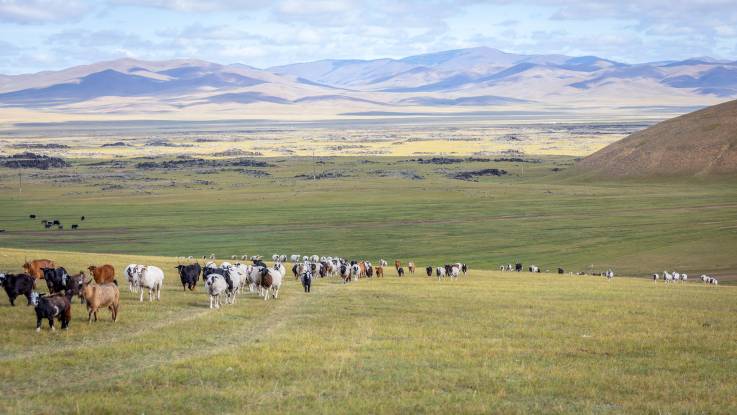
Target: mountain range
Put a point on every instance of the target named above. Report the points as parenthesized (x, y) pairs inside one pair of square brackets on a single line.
[(443, 82)]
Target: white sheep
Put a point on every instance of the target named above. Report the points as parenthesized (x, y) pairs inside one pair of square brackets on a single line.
[(440, 272), (151, 278), (455, 271), (215, 286)]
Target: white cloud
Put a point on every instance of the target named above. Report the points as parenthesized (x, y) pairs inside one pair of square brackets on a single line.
[(195, 5), (41, 11)]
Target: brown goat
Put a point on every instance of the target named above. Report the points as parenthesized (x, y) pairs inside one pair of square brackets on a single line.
[(103, 274), (397, 264), (35, 267), (100, 295), (379, 272)]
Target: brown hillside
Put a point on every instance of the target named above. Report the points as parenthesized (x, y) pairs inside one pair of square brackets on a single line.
[(700, 143)]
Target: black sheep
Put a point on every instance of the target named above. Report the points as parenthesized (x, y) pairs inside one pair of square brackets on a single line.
[(400, 272), (16, 285), (428, 270), (53, 306)]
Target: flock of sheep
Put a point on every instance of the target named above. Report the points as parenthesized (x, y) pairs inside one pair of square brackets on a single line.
[(669, 278)]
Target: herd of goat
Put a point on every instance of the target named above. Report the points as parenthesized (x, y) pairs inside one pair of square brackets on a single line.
[(223, 283)]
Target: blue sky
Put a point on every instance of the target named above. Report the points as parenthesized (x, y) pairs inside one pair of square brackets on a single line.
[(40, 35)]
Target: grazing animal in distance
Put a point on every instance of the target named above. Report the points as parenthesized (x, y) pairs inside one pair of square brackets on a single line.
[(100, 296), (440, 272), (16, 285), (454, 272), (32, 216), (103, 274), (464, 269), (397, 264), (400, 272), (306, 279), (82, 218), (345, 273), (655, 277), (369, 269), (518, 267), (561, 271), (379, 272), (75, 226), (383, 263), (411, 267), (55, 306), (428, 270), (189, 275), (297, 270), (35, 267)]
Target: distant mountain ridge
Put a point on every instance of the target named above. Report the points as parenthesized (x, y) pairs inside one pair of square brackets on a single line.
[(475, 77)]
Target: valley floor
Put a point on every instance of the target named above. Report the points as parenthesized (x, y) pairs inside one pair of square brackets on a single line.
[(491, 342)]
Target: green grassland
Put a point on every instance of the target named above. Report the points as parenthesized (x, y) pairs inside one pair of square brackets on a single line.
[(375, 210), (490, 342)]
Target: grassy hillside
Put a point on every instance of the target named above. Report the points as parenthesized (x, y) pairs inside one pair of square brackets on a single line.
[(375, 209), (702, 143), (491, 342)]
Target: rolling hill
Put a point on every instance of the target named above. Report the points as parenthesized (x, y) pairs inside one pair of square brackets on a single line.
[(700, 143)]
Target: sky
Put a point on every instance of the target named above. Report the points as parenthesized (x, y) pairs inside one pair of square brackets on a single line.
[(37, 35)]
